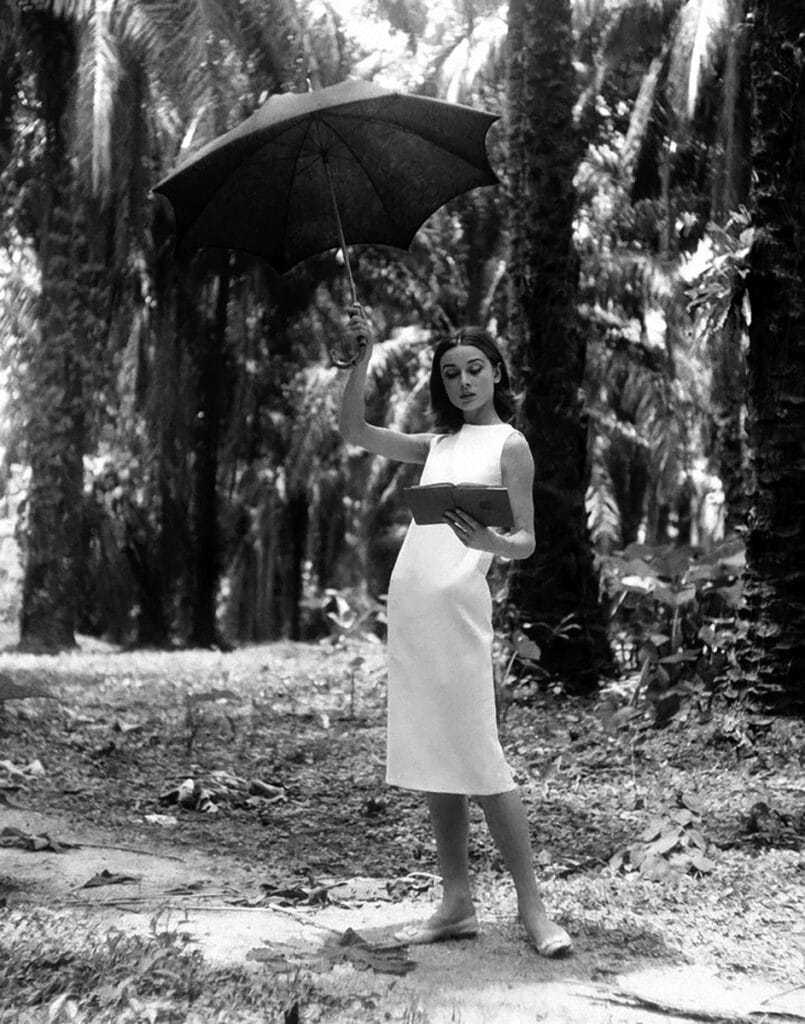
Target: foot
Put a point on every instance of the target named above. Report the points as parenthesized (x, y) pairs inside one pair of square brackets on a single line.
[(548, 938), (449, 922)]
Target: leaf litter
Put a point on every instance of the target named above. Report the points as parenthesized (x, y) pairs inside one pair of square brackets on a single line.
[(307, 723)]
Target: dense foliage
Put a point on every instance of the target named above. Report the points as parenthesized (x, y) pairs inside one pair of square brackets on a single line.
[(170, 423)]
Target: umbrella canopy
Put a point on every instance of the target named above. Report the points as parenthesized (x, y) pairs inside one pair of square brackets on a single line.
[(352, 163)]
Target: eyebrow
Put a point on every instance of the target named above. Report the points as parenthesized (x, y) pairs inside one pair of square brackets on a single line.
[(470, 362)]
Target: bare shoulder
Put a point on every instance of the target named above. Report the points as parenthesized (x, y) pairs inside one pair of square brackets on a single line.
[(516, 461), (516, 447)]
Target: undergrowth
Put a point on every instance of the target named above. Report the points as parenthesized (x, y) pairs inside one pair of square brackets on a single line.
[(53, 967)]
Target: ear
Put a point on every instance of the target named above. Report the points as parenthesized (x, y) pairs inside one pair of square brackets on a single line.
[(496, 373)]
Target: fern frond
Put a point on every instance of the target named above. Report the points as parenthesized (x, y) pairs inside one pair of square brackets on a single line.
[(603, 514)]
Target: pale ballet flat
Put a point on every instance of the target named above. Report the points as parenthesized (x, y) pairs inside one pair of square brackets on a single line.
[(557, 945), (421, 934)]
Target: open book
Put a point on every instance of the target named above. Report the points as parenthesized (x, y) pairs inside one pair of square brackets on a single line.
[(489, 505)]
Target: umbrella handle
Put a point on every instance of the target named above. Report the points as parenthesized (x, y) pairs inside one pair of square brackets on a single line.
[(343, 361)]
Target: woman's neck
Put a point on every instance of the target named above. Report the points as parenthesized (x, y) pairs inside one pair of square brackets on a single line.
[(486, 416)]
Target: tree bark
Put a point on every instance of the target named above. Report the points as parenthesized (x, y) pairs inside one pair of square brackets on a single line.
[(548, 345), (774, 656)]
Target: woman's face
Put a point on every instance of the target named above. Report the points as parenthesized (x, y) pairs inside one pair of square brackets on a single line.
[(468, 377)]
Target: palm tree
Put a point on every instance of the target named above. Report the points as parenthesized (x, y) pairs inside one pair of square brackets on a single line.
[(557, 582), (775, 652), (125, 85), (86, 67), (68, 311)]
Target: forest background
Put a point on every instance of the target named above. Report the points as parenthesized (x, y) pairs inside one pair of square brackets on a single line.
[(172, 472)]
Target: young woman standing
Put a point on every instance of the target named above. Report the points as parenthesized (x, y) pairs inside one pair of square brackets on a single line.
[(442, 732)]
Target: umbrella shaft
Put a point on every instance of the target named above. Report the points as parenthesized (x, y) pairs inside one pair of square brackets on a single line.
[(340, 228)]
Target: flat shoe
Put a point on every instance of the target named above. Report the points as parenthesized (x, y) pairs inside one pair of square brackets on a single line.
[(420, 935), (557, 945)]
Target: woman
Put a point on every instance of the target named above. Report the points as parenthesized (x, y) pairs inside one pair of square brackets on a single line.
[(442, 733)]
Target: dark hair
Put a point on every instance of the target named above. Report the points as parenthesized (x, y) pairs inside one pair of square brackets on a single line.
[(446, 415)]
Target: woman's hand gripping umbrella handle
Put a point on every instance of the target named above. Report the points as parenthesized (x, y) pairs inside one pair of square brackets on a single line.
[(359, 332)]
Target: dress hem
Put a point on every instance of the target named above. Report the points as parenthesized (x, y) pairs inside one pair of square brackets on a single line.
[(452, 791)]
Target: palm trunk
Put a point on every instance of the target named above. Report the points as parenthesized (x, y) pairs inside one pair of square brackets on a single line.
[(205, 568), (56, 443), (775, 579), (548, 345), (55, 428)]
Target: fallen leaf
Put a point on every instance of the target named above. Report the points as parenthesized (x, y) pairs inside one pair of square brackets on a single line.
[(265, 789), (655, 868), (700, 863), (653, 829), (265, 955), (352, 947), (295, 894), (690, 801), (106, 877), (14, 837), (667, 841)]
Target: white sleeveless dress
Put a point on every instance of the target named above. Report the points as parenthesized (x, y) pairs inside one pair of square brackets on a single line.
[(442, 733)]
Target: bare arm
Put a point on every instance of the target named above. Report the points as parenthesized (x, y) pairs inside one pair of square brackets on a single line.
[(393, 444), (517, 468)]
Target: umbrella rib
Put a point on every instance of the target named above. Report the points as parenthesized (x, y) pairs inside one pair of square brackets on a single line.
[(369, 178), (397, 127), (292, 176), (400, 128)]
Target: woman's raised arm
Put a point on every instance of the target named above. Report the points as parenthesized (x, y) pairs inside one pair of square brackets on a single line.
[(352, 422)]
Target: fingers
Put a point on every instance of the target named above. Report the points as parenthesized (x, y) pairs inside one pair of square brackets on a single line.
[(463, 525), (358, 324)]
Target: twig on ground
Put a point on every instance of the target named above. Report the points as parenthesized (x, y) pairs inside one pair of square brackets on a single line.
[(299, 917), (779, 995), (630, 999), (132, 849)]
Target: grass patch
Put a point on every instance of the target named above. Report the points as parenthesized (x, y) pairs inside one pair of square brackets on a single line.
[(54, 967)]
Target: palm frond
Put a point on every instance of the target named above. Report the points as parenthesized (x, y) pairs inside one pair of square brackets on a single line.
[(587, 13), (702, 32), (474, 59), (148, 28), (70, 10), (640, 119), (101, 63)]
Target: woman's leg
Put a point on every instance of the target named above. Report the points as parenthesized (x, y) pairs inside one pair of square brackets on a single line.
[(508, 824), (449, 815)]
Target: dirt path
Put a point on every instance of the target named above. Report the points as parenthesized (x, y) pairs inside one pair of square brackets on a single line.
[(496, 978)]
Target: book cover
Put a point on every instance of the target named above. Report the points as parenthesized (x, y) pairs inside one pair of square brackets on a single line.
[(489, 505)]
